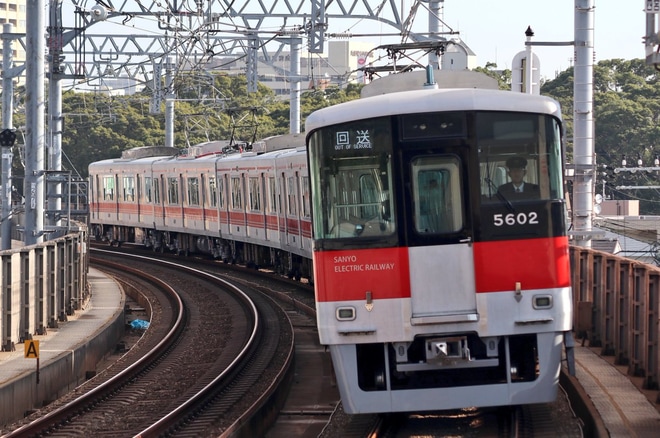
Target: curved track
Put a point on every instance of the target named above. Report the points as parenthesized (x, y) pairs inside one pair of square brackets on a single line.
[(197, 379)]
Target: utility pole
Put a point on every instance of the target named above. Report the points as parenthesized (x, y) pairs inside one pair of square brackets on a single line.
[(34, 121), (7, 137), (583, 126), (54, 187)]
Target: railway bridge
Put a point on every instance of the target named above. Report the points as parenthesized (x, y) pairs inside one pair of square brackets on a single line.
[(616, 299), (616, 308)]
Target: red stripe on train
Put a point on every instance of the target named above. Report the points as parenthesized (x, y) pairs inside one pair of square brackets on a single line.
[(535, 263), (349, 275)]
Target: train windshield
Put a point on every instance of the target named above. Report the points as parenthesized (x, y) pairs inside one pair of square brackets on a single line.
[(519, 156), (439, 194), (351, 173)]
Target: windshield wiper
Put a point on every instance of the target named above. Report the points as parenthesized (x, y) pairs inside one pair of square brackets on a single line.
[(500, 196)]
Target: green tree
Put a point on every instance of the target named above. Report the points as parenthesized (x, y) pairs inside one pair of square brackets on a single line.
[(503, 77), (626, 115)]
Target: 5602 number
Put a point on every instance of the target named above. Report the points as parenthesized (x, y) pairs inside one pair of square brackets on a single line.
[(510, 219)]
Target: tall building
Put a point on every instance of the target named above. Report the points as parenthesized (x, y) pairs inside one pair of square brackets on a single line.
[(13, 12)]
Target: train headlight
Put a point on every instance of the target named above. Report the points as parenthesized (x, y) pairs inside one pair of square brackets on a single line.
[(345, 313), (542, 302)]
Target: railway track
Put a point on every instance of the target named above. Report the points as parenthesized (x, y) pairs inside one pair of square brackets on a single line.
[(312, 396), (312, 408), (511, 421), (204, 376)]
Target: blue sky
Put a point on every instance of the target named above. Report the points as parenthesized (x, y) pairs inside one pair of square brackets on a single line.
[(495, 30)]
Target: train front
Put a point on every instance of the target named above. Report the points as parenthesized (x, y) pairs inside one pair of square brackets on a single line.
[(440, 250)]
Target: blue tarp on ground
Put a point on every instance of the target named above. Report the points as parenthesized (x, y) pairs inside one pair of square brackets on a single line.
[(139, 324)]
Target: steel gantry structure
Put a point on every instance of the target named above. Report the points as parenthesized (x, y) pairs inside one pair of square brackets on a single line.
[(153, 41)]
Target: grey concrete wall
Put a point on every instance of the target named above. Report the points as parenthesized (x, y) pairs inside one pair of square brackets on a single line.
[(58, 377)]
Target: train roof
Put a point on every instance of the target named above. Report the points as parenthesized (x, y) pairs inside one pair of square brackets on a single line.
[(411, 80), (209, 151), (431, 100), (120, 161), (149, 151), (191, 162)]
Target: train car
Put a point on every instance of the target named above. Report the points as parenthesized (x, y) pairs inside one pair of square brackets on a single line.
[(435, 287), (239, 205)]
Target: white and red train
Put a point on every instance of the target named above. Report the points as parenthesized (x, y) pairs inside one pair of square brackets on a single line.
[(434, 289), (248, 207)]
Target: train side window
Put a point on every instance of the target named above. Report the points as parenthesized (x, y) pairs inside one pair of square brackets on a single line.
[(213, 192), (236, 193), (305, 196), (221, 192), (292, 196), (156, 191), (148, 181), (172, 190), (272, 193), (193, 190), (254, 193), (128, 183), (108, 188), (438, 195)]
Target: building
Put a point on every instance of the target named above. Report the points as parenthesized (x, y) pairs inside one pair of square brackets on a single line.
[(14, 13), (340, 66)]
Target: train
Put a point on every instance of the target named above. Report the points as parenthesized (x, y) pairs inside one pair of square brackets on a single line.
[(435, 289), (237, 202)]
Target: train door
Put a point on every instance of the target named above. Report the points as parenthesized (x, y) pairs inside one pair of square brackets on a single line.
[(224, 202), (96, 190), (114, 196), (282, 202), (295, 212), (263, 193), (440, 244), (182, 199), (272, 209), (224, 222), (138, 196), (159, 202), (202, 199)]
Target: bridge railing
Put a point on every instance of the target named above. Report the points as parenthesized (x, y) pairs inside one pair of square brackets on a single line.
[(616, 302), (41, 285)]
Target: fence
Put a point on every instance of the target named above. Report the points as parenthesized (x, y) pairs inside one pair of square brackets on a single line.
[(616, 309), (40, 285)]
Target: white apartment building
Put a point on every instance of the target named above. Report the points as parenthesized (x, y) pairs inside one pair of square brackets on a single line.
[(13, 12)]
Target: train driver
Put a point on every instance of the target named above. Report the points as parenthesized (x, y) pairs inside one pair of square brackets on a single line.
[(518, 188)]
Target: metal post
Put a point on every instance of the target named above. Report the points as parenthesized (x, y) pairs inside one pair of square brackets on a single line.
[(54, 198), (529, 65), (169, 105), (583, 127), (7, 122), (55, 156), (436, 11), (34, 121), (294, 104)]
